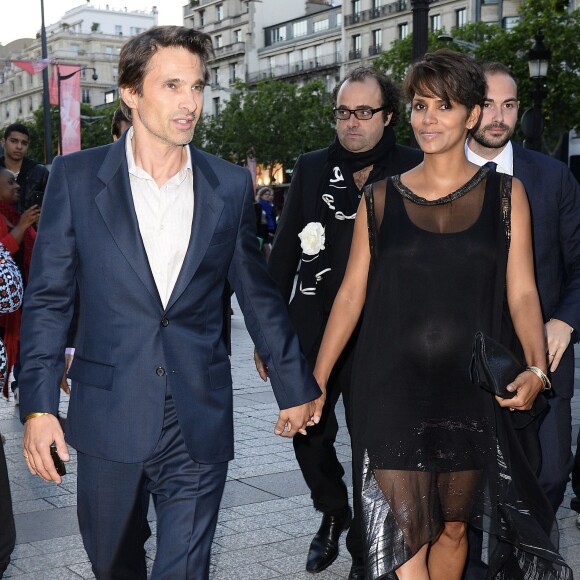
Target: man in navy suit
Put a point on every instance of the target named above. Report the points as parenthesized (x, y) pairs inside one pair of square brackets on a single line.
[(149, 229), (554, 196)]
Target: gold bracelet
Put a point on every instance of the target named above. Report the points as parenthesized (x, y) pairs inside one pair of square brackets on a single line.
[(32, 415), (546, 384)]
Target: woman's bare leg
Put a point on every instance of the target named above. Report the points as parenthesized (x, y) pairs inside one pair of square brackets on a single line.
[(448, 552), (416, 567)]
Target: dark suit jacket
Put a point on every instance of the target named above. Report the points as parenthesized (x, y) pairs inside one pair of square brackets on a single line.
[(554, 196), (129, 348), (309, 313)]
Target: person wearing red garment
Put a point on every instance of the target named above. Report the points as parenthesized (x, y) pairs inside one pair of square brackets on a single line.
[(17, 235)]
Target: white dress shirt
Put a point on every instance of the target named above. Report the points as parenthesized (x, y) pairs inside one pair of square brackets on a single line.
[(504, 160), (164, 215)]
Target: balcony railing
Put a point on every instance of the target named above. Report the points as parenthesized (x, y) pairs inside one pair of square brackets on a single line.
[(375, 49), (296, 68), (366, 15), (236, 47), (354, 54)]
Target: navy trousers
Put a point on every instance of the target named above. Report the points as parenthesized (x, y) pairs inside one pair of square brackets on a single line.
[(113, 500)]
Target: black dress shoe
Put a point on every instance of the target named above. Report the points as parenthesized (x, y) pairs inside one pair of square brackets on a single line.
[(357, 570), (324, 547)]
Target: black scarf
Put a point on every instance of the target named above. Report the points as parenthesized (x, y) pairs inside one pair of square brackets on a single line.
[(338, 197)]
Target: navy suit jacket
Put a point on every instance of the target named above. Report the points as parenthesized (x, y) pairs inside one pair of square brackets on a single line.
[(129, 348), (554, 196)]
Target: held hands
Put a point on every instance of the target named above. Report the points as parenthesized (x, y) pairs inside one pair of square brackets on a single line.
[(526, 385), (296, 419), (39, 433), (558, 335)]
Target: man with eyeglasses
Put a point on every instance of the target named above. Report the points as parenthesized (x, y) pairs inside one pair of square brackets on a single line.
[(314, 232)]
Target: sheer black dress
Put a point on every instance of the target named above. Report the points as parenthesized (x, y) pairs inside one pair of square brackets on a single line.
[(433, 447)]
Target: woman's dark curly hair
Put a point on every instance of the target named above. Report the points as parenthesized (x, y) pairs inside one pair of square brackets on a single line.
[(449, 75)]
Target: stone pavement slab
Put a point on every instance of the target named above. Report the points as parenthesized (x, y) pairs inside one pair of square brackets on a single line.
[(266, 520)]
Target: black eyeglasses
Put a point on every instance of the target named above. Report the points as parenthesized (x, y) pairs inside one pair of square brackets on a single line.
[(363, 114)]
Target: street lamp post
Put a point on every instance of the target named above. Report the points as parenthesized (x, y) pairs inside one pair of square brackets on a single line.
[(45, 93), (533, 118), (420, 10), (64, 78)]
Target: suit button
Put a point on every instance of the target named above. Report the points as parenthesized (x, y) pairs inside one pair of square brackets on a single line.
[(165, 322), (160, 371)]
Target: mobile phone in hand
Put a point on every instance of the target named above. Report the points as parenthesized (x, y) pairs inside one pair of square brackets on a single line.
[(58, 462)]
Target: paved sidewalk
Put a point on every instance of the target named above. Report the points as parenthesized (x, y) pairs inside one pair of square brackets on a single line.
[(266, 520)]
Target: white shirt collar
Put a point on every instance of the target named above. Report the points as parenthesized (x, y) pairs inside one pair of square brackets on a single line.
[(134, 169), (504, 159)]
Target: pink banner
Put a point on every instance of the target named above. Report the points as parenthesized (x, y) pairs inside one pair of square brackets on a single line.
[(32, 66), (70, 108), (53, 86)]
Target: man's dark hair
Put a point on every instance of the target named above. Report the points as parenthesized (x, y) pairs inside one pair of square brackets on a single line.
[(493, 68), (16, 128), (449, 75), (118, 118), (390, 93), (137, 53)]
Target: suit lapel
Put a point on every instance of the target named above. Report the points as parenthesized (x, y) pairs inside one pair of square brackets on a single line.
[(207, 209), (115, 203)]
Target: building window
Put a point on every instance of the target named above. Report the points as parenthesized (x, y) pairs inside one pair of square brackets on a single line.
[(30, 105), (233, 72), (321, 25), (278, 34), (356, 47), (509, 22), (339, 20), (237, 35), (376, 10), (115, 73), (218, 41), (378, 39), (219, 12), (201, 18), (272, 63), (435, 22), (356, 7), (86, 96), (461, 17), (215, 76), (403, 30), (74, 47), (118, 30), (216, 106), (299, 28)]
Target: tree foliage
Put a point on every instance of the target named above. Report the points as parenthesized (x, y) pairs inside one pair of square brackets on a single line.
[(561, 30), (275, 122)]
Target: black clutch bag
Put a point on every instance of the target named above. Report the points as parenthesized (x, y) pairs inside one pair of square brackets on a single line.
[(493, 367)]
